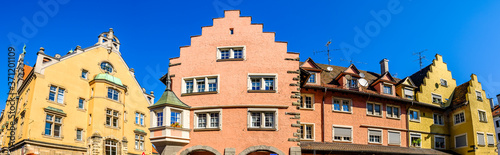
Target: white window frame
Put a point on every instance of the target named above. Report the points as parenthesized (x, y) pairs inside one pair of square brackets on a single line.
[(375, 103), (315, 77), (263, 76), (195, 84), (114, 90), (440, 97), (341, 102), (208, 117), (262, 112), (181, 122), (86, 74), (112, 118), (445, 82), (457, 113), (350, 85), (484, 138), (81, 134), (392, 111), (455, 141), (390, 88), (56, 94), (414, 120), (83, 103), (231, 52), (420, 137), (381, 136), (444, 137), (485, 116), (488, 144), (303, 101), (139, 141), (480, 97), (442, 119), (342, 140), (389, 137), (53, 123), (303, 132), (409, 89)]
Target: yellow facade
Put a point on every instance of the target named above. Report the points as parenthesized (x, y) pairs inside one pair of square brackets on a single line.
[(438, 82), (65, 72)]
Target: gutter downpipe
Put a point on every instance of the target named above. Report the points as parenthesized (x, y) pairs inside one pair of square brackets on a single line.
[(408, 124), (323, 118)]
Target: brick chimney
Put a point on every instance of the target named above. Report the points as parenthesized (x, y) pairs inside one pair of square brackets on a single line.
[(384, 66)]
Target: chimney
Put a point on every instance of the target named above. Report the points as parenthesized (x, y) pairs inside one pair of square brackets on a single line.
[(492, 105), (384, 66), (498, 99)]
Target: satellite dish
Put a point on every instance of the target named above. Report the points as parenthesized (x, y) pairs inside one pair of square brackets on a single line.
[(362, 75), (329, 69), (348, 77), (363, 82)]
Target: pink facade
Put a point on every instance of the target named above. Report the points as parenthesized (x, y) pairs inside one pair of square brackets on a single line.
[(251, 54)]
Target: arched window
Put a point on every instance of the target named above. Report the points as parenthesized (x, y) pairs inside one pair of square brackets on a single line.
[(107, 67), (110, 147)]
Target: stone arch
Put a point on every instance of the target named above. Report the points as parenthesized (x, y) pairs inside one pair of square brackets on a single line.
[(200, 148), (261, 148)]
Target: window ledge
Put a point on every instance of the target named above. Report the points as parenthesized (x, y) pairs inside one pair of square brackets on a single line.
[(347, 112), (302, 139), (339, 141), (199, 93), (374, 143), (394, 144), (309, 109), (396, 118), (112, 127), (51, 137), (374, 115), (206, 129), (438, 124), (261, 129), (231, 59), (262, 91), (418, 121)]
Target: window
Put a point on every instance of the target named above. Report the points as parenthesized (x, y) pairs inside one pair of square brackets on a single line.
[(226, 53), (307, 131), (342, 134), (159, 119), (56, 91), (262, 118), (352, 83), (139, 118), (439, 142), (113, 94), (139, 142), (461, 141), (207, 119), (497, 124), (262, 82), (479, 96), (414, 115), (112, 118), (480, 139), (392, 111), (437, 99), (175, 118), (388, 89), (459, 118), (53, 125), (106, 67), (438, 119), (81, 102), (482, 116), (444, 83), (374, 136), (415, 139), (307, 101), (373, 109), (85, 74), (200, 84), (110, 147), (491, 139), (342, 105), (231, 31), (79, 134), (394, 137), (409, 94), (312, 78)]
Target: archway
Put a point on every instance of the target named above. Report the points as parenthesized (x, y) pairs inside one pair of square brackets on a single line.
[(261, 150), (200, 150)]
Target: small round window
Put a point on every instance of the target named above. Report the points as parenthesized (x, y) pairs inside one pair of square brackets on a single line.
[(107, 67)]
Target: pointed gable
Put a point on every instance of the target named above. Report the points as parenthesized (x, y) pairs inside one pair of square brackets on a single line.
[(407, 82), (351, 70), (310, 64), (386, 77)]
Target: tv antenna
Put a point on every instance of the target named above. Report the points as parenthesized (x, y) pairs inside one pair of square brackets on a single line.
[(352, 61), (420, 57), (328, 51)]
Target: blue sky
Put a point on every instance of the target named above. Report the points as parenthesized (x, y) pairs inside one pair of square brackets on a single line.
[(465, 33)]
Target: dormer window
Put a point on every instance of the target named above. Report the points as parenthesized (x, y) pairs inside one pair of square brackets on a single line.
[(312, 78), (388, 89), (352, 83), (408, 93), (230, 53)]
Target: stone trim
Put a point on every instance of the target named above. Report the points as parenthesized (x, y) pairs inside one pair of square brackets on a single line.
[(173, 64), (260, 148), (200, 148), (293, 59)]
